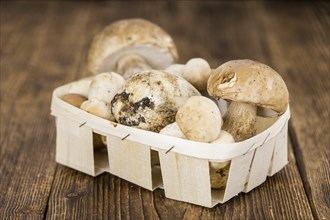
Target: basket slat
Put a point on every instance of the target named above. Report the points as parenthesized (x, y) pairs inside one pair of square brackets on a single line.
[(186, 178), (280, 154), (130, 161), (238, 174), (74, 146), (260, 165)]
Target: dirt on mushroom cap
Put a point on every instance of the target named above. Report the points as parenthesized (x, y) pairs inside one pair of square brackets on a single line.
[(251, 82), (149, 100)]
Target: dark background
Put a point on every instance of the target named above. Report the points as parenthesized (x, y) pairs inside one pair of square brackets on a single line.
[(44, 45)]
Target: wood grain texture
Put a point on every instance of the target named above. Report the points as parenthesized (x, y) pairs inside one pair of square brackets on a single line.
[(302, 56), (44, 45)]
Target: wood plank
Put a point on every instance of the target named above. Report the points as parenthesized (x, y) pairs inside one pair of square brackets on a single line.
[(300, 51), (26, 170)]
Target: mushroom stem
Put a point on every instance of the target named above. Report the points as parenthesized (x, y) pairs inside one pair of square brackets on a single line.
[(130, 64), (240, 120)]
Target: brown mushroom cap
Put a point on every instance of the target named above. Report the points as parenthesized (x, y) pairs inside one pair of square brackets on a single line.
[(131, 36), (250, 82)]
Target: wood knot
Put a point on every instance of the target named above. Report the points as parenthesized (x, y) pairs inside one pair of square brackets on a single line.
[(74, 195)]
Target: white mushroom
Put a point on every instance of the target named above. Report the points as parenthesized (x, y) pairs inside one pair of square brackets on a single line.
[(105, 86), (247, 84), (98, 108), (131, 45), (175, 69), (149, 100), (172, 130), (197, 72), (102, 90), (199, 119)]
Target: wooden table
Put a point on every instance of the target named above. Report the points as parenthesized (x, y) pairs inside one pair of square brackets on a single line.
[(44, 45)]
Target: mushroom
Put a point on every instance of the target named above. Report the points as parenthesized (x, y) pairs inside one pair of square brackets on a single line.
[(199, 119), (150, 99), (219, 170), (172, 130), (74, 99), (105, 86), (101, 91), (247, 84), (197, 71), (98, 108), (131, 45), (175, 69)]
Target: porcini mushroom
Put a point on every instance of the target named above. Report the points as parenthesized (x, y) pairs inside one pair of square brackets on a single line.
[(247, 84), (197, 71), (102, 89), (149, 100), (105, 86), (98, 108), (130, 46), (199, 119)]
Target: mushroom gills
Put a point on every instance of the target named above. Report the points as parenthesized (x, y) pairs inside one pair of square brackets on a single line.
[(155, 57), (128, 65)]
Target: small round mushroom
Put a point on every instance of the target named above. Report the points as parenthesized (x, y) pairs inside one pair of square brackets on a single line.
[(247, 84), (74, 99), (105, 86), (199, 119), (98, 108), (102, 90), (176, 69), (149, 100), (219, 170), (131, 45), (197, 71)]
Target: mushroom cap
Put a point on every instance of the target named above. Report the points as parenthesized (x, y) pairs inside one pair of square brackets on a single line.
[(250, 82), (199, 119), (150, 99), (131, 36), (197, 71), (105, 86), (98, 108)]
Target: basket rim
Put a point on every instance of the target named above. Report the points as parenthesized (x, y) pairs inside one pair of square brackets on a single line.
[(161, 142)]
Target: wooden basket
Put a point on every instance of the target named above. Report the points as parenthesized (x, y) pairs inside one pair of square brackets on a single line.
[(184, 165)]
